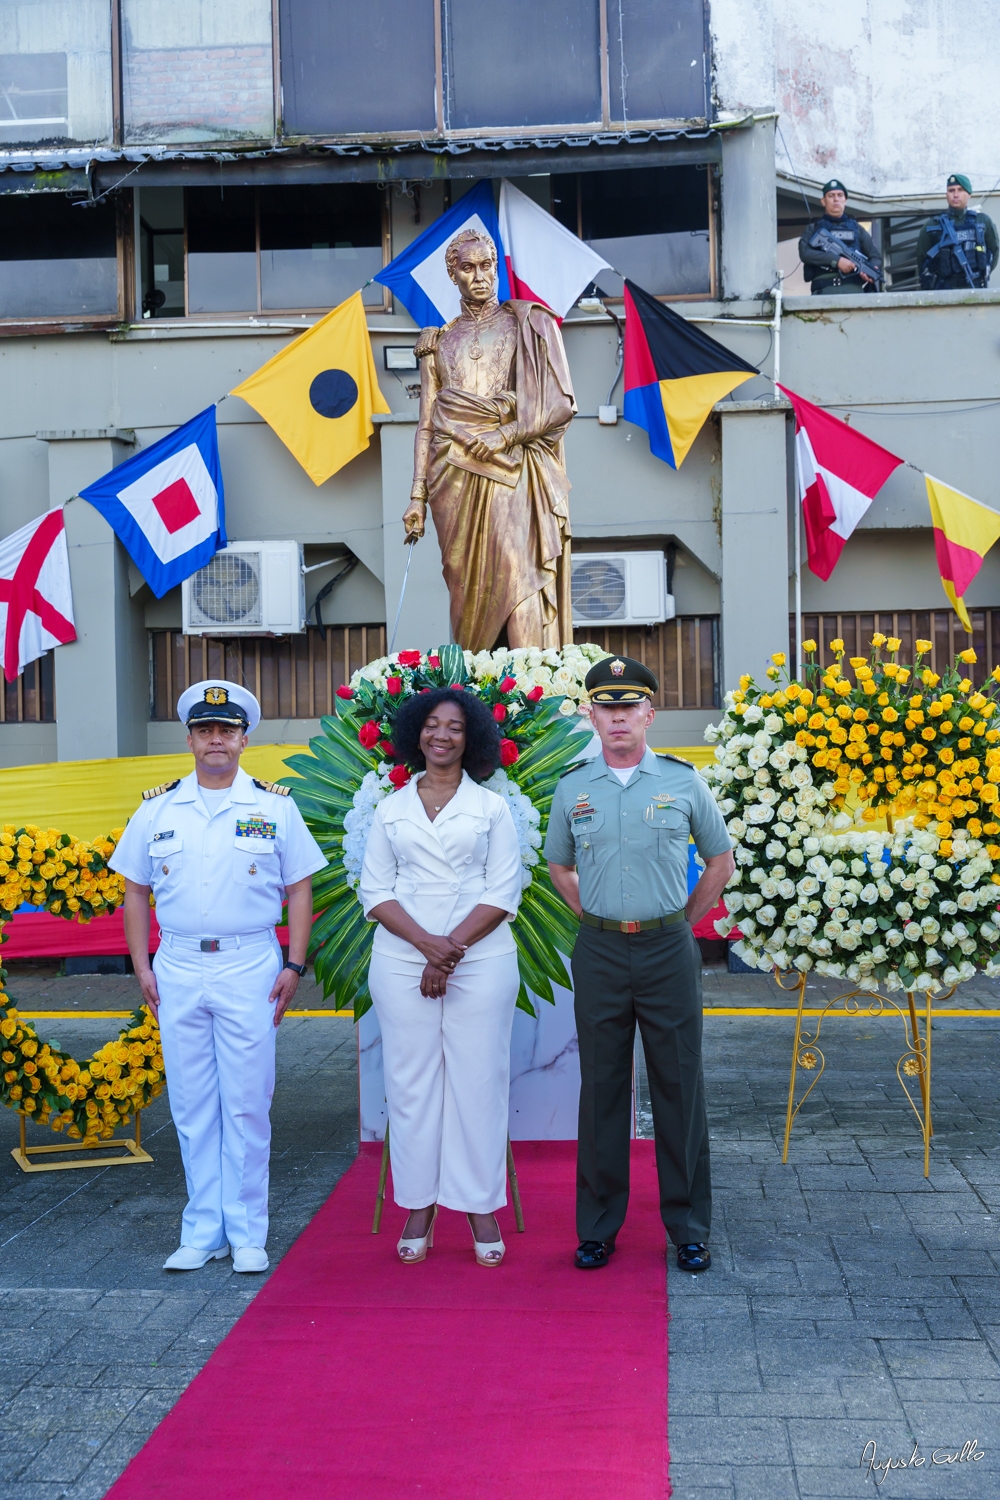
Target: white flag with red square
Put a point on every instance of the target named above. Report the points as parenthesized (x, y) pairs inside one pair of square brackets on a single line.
[(36, 602)]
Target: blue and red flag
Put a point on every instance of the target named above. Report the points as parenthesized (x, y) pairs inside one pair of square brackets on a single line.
[(166, 504), (674, 374)]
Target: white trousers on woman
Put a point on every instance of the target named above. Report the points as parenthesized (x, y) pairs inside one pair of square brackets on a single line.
[(447, 1080)]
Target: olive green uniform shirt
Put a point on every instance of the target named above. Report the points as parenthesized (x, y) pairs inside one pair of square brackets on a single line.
[(630, 843)]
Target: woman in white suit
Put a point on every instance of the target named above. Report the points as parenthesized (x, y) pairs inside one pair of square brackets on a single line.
[(442, 877)]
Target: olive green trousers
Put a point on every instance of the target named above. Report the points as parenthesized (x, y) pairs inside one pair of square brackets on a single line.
[(653, 978)]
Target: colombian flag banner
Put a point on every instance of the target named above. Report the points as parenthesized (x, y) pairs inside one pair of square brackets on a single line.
[(964, 531), (318, 394), (674, 374)]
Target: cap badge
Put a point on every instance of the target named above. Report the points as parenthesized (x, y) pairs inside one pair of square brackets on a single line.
[(216, 695), (617, 668)]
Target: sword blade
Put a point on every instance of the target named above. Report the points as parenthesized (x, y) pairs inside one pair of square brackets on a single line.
[(399, 607)]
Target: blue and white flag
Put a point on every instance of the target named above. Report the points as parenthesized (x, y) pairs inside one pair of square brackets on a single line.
[(166, 504), (419, 277)]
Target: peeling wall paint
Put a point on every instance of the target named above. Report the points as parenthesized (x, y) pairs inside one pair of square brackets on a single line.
[(890, 95)]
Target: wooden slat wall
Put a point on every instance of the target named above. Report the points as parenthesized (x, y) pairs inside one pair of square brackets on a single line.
[(31, 697), (292, 676), (940, 626), (683, 653)]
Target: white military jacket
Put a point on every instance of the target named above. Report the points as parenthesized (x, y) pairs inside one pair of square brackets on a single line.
[(222, 875), (440, 871)]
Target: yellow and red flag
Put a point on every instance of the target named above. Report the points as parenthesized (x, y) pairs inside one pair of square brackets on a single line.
[(964, 531)]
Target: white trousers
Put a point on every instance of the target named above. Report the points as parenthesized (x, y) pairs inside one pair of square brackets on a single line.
[(217, 1027), (447, 1081)]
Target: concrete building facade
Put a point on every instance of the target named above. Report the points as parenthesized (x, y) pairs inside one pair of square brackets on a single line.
[(195, 214)]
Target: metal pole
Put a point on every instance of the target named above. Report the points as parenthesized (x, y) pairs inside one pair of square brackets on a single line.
[(406, 573), (798, 581)]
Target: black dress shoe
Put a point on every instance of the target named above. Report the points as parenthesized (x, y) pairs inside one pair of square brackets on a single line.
[(693, 1258), (591, 1254)]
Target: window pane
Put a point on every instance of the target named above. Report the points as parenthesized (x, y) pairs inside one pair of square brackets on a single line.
[(55, 71), (222, 250), (161, 251), (526, 62), (656, 60), (319, 244), (650, 223), (197, 70), (56, 258), (350, 69)]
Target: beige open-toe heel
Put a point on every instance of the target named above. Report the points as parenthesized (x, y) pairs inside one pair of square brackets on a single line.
[(412, 1251), (490, 1252)]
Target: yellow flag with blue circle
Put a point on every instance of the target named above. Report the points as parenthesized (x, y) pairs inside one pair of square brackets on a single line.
[(319, 393)]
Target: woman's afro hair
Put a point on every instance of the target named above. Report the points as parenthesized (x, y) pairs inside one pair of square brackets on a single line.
[(482, 734)]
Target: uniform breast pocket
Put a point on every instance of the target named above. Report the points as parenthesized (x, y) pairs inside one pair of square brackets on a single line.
[(165, 858), (585, 825), (666, 830), (255, 862)]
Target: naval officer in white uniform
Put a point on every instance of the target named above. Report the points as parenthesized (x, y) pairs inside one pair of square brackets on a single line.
[(220, 851)]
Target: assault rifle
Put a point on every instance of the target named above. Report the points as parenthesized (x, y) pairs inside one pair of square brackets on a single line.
[(950, 238), (824, 240)]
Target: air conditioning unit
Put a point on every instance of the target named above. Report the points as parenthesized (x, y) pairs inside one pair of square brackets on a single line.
[(248, 588), (620, 588)]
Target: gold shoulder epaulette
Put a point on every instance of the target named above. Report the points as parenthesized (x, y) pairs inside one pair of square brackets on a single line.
[(427, 341), (271, 786), (157, 791), (687, 764)]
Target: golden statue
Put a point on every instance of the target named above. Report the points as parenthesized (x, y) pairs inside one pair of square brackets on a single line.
[(495, 402)]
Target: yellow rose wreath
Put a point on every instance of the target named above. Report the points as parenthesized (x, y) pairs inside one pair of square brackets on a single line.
[(914, 906), (70, 878)]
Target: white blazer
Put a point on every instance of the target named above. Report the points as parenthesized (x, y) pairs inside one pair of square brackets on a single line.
[(438, 872)]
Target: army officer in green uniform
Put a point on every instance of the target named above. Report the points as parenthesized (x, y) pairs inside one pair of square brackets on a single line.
[(617, 848)]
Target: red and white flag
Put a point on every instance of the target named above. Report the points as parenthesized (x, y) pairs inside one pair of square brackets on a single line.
[(545, 262), (839, 472), (36, 604)]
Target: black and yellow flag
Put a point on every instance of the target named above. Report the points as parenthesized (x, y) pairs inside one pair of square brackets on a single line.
[(319, 393)]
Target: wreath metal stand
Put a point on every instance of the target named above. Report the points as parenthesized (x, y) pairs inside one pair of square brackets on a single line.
[(515, 1191), (915, 1062), (132, 1145)]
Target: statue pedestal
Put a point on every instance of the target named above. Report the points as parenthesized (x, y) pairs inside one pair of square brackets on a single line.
[(544, 1074)]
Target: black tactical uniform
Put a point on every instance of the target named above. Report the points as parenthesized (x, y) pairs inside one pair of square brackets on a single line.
[(820, 266), (946, 240)]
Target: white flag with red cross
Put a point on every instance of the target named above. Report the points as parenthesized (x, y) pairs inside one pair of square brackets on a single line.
[(36, 603), (166, 504)]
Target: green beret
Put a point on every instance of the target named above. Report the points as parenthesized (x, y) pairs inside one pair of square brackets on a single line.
[(959, 179), (619, 679), (834, 185)]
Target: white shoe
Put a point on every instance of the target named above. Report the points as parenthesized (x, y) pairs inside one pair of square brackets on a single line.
[(187, 1258), (414, 1250), (249, 1258)]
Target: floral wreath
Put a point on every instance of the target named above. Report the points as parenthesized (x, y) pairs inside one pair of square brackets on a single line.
[(70, 878), (799, 765), (537, 697)]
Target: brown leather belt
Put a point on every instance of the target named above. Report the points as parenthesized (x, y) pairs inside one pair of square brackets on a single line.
[(629, 927)]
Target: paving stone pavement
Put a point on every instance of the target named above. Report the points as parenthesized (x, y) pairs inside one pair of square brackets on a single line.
[(850, 1300)]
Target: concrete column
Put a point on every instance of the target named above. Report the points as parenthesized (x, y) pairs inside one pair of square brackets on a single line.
[(102, 678), (424, 621), (754, 540), (749, 211)]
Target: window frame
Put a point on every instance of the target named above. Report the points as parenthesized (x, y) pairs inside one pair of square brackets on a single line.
[(95, 322), (374, 309), (711, 176), (520, 132)]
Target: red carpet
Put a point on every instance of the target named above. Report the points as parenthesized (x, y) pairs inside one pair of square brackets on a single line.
[(352, 1377)]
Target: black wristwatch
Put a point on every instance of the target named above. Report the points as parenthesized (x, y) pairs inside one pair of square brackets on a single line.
[(299, 969)]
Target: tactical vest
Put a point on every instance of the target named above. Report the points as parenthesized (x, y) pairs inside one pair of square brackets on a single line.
[(846, 230), (971, 235)]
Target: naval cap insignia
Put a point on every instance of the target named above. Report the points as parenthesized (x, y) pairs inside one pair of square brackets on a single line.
[(617, 667), (216, 695)]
